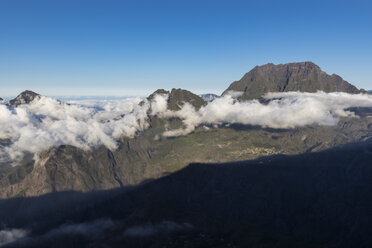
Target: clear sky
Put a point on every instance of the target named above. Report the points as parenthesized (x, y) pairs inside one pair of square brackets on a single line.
[(63, 47)]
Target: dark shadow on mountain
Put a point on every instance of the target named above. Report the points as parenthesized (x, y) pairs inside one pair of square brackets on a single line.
[(35, 212), (321, 199), (243, 127), (361, 111)]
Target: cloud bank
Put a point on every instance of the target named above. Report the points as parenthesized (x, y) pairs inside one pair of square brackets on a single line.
[(47, 123), (281, 110)]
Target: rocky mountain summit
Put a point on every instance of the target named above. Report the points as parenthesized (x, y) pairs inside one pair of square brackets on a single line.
[(178, 97), (303, 77), (25, 97)]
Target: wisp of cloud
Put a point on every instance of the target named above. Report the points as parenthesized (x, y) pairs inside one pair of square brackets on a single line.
[(10, 235)]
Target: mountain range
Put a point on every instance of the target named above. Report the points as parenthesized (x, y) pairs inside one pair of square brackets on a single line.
[(147, 157), (221, 184)]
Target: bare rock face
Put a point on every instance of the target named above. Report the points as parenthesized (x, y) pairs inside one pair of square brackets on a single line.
[(1, 99), (25, 97), (303, 77)]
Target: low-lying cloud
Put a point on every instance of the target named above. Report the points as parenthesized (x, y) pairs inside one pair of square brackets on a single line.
[(10, 235), (85, 230), (47, 122), (282, 110)]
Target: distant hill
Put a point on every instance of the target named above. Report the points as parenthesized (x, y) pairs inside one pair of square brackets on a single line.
[(24, 98), (209, 97), (304, 77)]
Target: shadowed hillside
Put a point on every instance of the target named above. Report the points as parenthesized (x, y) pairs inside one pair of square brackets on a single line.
[(316, 198)]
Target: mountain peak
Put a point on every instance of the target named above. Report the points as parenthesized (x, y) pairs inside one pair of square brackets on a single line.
[(25, 97), (177, 97), (209, 97), (301, 76)]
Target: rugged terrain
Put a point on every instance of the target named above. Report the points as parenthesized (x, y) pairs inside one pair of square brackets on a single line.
[(149, 155), (221, 185)]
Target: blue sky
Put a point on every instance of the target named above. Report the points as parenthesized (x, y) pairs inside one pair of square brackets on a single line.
[(134, 47)]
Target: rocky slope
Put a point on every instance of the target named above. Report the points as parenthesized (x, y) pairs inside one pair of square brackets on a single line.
[(148, 157), (304, 77)]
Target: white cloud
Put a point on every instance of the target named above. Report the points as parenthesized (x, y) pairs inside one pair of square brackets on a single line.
[(88, 229), (284, 110), (48, 123)]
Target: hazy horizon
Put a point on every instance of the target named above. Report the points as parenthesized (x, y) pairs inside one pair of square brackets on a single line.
[(95, 95)]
